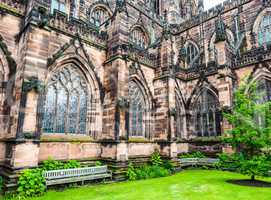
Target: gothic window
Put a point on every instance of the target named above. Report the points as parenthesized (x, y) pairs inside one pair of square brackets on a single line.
[(191, 53), (264, 90), (58, 5), (66, 102), (206, 115), (136, 111), (264, 34), (138, 38), (100, 15), (264, 93)]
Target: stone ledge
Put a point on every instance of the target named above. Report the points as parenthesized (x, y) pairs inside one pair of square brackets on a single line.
[(66, 138)]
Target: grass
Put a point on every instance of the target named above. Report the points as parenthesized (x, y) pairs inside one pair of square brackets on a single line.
[(188, 185)]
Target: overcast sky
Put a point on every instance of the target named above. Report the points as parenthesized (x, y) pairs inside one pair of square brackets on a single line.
[(211, 3)]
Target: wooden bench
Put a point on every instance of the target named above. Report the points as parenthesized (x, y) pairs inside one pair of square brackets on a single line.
[(194, 162), (65, 176)]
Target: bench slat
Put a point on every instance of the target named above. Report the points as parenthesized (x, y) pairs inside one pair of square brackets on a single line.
[(57, 177), (77, 179), (65, 173)]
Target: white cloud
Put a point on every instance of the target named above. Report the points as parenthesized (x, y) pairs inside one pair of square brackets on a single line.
[(211, 3)]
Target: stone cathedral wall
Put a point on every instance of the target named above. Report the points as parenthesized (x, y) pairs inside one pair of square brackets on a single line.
[(40, 44)]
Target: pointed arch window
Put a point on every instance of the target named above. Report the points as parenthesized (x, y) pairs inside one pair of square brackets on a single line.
[(191, 53), (264, 32), (59, 5), (66, 102), (136, 111), (207, 117), (264, 90), (264, 93), (138, 38), (100, 15)]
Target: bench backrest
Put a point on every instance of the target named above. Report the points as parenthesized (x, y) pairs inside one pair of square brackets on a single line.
[(67, 173), (198, 160), (188, 160)]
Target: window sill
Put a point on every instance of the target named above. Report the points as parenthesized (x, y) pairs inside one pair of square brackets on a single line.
[(65, 138), (139, 140)]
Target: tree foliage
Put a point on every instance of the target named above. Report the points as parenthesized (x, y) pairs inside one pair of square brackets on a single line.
[(250, 118)]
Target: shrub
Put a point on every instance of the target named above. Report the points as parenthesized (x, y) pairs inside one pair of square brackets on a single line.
[(167, 164), (31, 183), (156, 159), (51, 164), (98, 163), (229, 161), (131, 174), (196, 154), (71, 164), (146, 172), (1, 184)]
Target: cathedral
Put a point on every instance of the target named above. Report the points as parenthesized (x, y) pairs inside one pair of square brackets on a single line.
[(115, 80)]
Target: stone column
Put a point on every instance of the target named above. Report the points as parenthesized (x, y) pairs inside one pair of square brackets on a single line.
[(116, 82)]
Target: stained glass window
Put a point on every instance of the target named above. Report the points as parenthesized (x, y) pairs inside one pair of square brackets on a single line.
[(58, 5), (138, 38), (100, 15), (264, 93), (264, 34), (206, 115), (136, 111), (191, 53), (66, 102)]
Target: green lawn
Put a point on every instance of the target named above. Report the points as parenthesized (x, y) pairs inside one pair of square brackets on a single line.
[(188, 185)]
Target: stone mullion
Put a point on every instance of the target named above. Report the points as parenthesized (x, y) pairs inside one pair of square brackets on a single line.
[(21, 117), (78, 115), (56, 111)]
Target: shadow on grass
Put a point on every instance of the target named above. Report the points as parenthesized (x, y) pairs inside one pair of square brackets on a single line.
[(250, 183)]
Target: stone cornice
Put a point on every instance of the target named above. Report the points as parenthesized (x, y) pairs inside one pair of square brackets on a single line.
[(16, 11)]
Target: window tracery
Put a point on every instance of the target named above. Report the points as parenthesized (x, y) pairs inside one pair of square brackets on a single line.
[(191, 53), (59, 5), (100, 15), (264, 32), (138, 38), (66, 102), (206, 115), (136, 111)]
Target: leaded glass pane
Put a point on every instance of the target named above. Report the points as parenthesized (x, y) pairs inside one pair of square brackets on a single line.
[(264, 34), (206, 115), (73, 112), (66, 102), (49, 111), (138, 38), (136, 111), (191, 53), (61, 109), (58, 5), (100, 15), (264, 95), (83, 112)]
